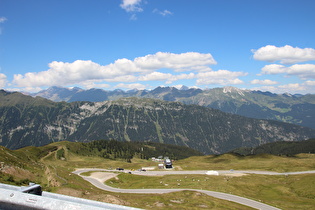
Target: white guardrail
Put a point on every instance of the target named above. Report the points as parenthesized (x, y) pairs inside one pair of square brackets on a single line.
[(13, 197)]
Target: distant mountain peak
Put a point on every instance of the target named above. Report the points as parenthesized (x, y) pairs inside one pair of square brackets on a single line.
[(118, 91), (287, 95), (229, 89), (75, 89), (60, 88), (184, 87), (133, 90), (58, 93)]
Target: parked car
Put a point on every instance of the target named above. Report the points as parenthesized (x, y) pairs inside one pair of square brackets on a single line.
[(168, 163)]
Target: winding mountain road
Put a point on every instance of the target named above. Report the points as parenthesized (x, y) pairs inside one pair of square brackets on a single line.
[(99, 183)]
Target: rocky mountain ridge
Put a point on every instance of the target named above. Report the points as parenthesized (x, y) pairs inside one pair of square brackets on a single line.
[(297, 109), (37, 121)]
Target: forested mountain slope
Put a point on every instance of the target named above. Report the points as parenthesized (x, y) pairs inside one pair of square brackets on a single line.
[(37, 121), (280, 148)]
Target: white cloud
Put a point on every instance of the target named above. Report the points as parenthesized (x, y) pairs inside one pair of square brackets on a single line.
[(91, 84), (61, 73), (125, 78), (220, 77), (303, 71), (3, 80), (309, 83), (263, 82), (178, 62), (286, 54), (131, 86), (155, 76), (167, 77), (3, 19), (131, 5), (122, 70), (133, 17), (293, 88), (25, 89), (288, 88), (273, 69), (163, 13), (174, 78), (198, 69)]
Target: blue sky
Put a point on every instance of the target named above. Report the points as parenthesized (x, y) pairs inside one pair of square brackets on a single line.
[(252, 44)]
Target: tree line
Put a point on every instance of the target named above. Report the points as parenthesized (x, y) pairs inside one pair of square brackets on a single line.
[(113, 149)]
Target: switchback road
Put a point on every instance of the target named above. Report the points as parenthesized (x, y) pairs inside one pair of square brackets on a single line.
[(99, 183)]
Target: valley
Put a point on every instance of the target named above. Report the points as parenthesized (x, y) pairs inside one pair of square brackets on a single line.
[(256, 159), (44, 166)]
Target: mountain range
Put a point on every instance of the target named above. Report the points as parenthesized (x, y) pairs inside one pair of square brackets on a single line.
[(27, 120), (297, 109)]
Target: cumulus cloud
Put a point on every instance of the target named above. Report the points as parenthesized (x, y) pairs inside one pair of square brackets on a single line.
[(310, 83), (167, 77), (155, 76), (288, 88), (131, 86), (125, 78), (293, 88), (220, 77), (178, 62), (303, 71), (131, 5), (286, 54), (273, 69), (122, 70), (94, 84), (174, 78), (61, 73), (263, 82), (3, 80)]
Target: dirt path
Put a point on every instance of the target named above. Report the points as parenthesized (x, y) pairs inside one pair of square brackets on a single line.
[(103, 176), (51, 171)]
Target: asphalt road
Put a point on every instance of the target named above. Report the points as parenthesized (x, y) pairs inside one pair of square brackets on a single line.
[(237, 199)]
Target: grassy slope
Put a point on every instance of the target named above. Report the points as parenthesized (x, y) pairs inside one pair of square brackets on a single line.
[(41, 165), (264, 162), (291, 192)]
